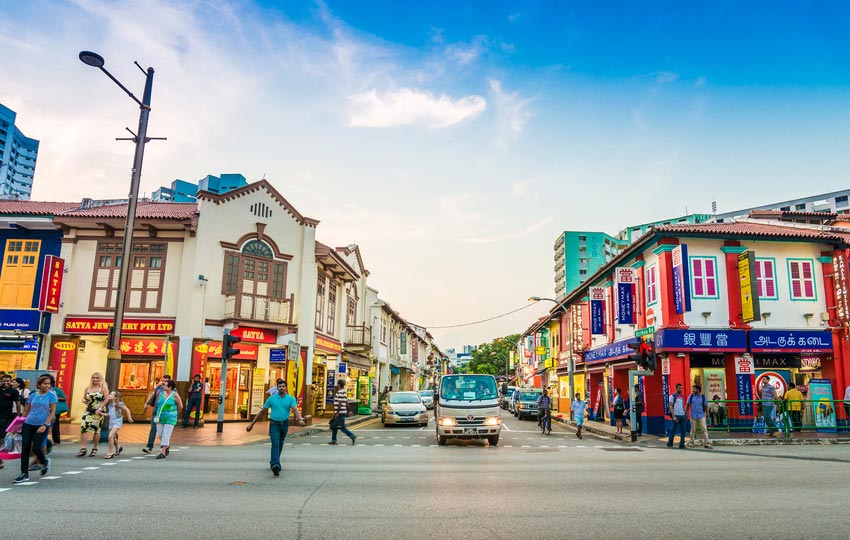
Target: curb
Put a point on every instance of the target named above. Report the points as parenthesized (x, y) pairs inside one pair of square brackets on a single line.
[(590, 428), (315, 430)]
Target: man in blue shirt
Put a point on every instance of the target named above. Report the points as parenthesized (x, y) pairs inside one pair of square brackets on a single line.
[(696, 407), (279, 406), (676, 409)]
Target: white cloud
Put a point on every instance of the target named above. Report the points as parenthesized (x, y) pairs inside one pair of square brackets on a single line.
[(665, 77), (514, 16), (512, 113), (466, 53), (409, 106)]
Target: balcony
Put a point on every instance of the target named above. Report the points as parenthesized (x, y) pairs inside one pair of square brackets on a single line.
[(358, 337), (259, 308)]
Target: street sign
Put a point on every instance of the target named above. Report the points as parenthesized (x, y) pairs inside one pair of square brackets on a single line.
[(293, 350), (277, 355), (645, 331)]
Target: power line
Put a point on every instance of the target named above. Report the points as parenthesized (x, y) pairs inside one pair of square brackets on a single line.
[(476, 322)]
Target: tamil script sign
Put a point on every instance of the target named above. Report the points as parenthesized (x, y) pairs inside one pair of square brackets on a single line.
[(607, 352), (790, 341)]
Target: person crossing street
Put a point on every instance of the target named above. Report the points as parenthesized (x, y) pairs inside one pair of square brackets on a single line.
[(340, 412), (280, 406)]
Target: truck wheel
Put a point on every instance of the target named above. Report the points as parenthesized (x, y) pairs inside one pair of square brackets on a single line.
[(441, 440), (493, 440)]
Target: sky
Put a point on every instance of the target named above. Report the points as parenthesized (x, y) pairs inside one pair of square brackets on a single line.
[(453, 141)]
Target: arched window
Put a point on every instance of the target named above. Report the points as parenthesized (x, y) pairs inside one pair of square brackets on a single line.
[(255, 248)]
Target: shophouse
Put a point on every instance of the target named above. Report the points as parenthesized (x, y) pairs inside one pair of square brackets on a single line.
[(730, 306), (357, 344)]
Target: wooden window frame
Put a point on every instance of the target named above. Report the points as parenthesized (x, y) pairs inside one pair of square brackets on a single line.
[(155, 250), (332, 294)]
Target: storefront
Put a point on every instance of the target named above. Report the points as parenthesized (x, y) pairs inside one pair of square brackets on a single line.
[(239, 398), (19, 339), (359, 374), (326, 367)]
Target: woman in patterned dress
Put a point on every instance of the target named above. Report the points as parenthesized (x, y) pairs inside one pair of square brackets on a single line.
[(166, 411), (94, 398)]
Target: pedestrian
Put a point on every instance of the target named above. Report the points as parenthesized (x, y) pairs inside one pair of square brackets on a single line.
[(167, 411), (94, 397), (619, 409), (194, 401), (697, 407), (577, 409), (151, 402), (21, 386), (40, 409), (280, 406), (384, 393), (61, 408), (10, 404), (794, 405), (340, 412), (768, 408), (638, 410), (544, 409), (207, 395), (115, 408), (676, 410)]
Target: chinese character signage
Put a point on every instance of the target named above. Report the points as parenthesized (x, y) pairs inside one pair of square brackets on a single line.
[(701, 340), (744, 373), (839, 283), (145, 347), (51, 284), (749, 294), (63, 357), (597, 310), (200, 353), (90, 325), (625, 280), (790, 341), (248, 351), (681, 279)]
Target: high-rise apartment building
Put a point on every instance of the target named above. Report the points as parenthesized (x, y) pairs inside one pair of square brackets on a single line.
[(183, 191), (837, 202), (18, 154), (634, 232), (578, 254)]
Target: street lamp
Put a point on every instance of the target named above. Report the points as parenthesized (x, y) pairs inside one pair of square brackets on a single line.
[(113, 359)]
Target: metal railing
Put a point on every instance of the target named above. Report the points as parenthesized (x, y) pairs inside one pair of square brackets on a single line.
[(764, 417), (259, 308), (358, 334)]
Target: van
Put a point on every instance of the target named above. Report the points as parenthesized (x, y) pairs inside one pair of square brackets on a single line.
[(467, 407)]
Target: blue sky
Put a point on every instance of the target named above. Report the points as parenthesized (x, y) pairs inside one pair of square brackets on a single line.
[(451, 140)]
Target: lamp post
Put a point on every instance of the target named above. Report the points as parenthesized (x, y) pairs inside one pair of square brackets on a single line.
[(571, 364), (113, 359)]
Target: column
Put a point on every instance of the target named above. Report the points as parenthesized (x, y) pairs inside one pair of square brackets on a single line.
[(669, 317), (731, 249)]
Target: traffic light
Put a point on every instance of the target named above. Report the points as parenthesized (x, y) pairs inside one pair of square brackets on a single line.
[(644, 355), (228, 350), (649, 349)]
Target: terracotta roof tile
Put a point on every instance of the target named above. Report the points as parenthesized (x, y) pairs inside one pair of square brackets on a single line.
[(753, 230), (145, 209), (35, 208)]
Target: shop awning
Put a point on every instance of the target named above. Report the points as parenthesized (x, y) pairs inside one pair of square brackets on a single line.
[(394, 370), (357, 360)]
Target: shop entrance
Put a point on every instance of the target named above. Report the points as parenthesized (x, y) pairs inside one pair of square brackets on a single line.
[(13, 361), (238, 380), (318, 390), (136, 380)]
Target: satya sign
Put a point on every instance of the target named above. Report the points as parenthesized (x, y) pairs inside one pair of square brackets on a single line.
[(51, 284), (92, 325), (255, 335)]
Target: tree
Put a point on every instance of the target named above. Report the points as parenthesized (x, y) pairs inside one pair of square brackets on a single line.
[(492, 358)]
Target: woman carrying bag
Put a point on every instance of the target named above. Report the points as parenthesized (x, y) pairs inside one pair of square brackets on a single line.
[(168, 407)]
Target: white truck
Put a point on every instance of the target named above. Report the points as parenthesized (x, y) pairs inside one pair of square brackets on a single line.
[(467, 407)]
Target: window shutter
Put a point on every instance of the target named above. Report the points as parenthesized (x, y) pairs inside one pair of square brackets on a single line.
[(770, 280), (710, 278), (796, 286), (808, 280), (699, 290)]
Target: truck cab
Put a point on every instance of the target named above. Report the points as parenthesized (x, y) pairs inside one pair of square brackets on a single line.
[(467, 407)]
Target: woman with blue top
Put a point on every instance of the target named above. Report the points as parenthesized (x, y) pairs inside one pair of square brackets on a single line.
[(168, 407), (39, 412)]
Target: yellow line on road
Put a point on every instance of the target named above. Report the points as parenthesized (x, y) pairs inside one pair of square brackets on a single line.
[(364, 424)]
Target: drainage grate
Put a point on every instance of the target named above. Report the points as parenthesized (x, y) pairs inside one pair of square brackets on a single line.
[(622, 449)]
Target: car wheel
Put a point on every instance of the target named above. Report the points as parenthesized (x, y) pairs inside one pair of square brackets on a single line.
[(441, 440), (493, 440)]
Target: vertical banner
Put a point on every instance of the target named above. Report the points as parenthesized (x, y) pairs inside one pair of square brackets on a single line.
[(744, 374), (330, 386), (681, 279), (749, 294), (63, 357), (51, 284), (295, 376), (625, 280), (820, 391), (715, 384), (839, 283), (200, 352), (665, 383), (258, 390), (597, 310)]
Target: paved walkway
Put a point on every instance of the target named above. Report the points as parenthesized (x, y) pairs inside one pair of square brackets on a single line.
[(233, 432)]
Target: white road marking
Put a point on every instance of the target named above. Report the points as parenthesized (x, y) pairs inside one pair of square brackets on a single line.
[(526, 446), (507, 446), (175, 449), (544, 446), (379, 445), (396, 445), (73, 472), (306, 444), (50, 477), (90, 468), (581, 446), (5, 489), (405, 437), (506, 428), (184, 447), (562, 446), (125, 460), (433, 445), (417, 445), (27, 483), (109, 464)]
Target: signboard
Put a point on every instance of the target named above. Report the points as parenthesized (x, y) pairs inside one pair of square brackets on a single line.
[(650, 317), (681, 279), (51, 284), (63, 357), (810, 363), (540, 351), (625, 280), (607, 352), (26, 320), (258, 390), (744, 372), (30, 345), (839, 284), (277, 355), (774, 379), (701, 340), (92, 325), (200, 353), (576, 328), (330, 387), (820, 391), (295, 376), (342, 368), (749, 294), (790, 341), (293, 350), (248, 351), (648, 331), (597, 310), (255, 335), (715, 384), (328, 344), (144, 347)]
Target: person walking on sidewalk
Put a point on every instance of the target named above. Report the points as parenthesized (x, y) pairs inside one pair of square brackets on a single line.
[(638, 410), (194, 402), (340, 412), (768, 408), (697, 406), (94, 396), (676, 410), (577, 410), (280, 406), (167, 411), (115, 408), (39, 411), (151, 402)]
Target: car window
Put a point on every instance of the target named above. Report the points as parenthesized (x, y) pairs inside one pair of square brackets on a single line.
[(407, 397), (529, 396)]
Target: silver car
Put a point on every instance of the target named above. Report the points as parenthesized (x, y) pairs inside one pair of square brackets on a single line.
[(427, 398), (404, 408)]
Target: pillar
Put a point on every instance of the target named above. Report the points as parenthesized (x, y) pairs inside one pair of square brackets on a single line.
[(731, 249), (669, 317)]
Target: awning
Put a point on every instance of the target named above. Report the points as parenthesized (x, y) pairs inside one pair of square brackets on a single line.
[(357, 360), (394, 370)]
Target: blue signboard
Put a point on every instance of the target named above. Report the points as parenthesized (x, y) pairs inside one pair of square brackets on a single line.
[(29, 345), (597, 317), (277, 355), (607, 352), (26, 320), (744, 384), (342, 368), (681, 283), (790, 341), (701, 340), (625, 303), (330, 388)]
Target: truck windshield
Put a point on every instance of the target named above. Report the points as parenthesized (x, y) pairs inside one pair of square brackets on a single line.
[(468, 388), (529, 396)]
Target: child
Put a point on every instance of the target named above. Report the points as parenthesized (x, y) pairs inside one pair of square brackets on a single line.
[(116, 409)]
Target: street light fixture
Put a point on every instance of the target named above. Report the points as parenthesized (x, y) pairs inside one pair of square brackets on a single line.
[(113, 362)]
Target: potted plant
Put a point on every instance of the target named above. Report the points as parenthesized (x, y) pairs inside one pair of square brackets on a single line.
[(243, 411)]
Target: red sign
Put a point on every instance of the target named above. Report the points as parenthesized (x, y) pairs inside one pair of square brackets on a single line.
[(89, 325), (200, 353), (255, 335), (63, 356), (143, 347), (51, 284), (328, 344), (249, 351)]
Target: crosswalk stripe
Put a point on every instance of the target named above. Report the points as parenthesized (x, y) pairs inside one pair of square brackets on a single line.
[(90, 468), (30, 483), (50, 477), (73, 472), (5, 489)]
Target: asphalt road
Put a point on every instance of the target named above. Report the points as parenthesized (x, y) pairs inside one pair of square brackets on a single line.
[(396, 483)]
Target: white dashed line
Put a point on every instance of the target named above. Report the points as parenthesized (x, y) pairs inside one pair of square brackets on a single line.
[(581, 446), (109, 464), (5, 489), (508, 446), (379, 445), (27, 484), (562, 446), (73, 472), (51, 477), (396, 445), (184, 448), (417, 445), (526, 446), (125, 460), (90, 468)]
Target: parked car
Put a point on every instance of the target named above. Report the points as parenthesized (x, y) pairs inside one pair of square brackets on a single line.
[(427, 398), (526, 403), (404, 408), (505, 399), (512, 401)]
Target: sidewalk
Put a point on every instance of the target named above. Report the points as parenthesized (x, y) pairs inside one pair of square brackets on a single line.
[(233, 432), (597, 428)]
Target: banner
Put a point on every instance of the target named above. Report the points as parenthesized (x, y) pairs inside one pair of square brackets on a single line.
[(597, 310), (200, 350), (749, 294), (681, 279), (330, 387), (258, 390), (715, 384), (625, 280), (839, 283), (51, 284), (744, 373), (820, 391), (63, 357)]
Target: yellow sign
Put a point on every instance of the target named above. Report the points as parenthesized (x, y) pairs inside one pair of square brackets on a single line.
[(549, 363), (749, 294), (540, 350)]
